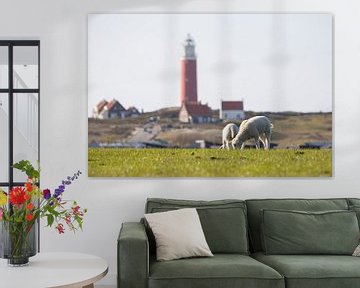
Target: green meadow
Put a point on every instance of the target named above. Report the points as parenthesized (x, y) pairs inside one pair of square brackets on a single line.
[(112, 162)]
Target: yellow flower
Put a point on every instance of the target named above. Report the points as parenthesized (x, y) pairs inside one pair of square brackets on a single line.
[(3, 198)]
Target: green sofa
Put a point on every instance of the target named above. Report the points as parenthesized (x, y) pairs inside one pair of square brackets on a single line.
[(256, 243)]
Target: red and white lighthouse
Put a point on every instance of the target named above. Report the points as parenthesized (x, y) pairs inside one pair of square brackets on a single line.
[(188, 84)]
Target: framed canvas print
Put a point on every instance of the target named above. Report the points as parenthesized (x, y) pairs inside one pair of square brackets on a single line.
[(210, 95)]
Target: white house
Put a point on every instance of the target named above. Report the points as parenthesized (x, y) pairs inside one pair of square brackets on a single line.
[(195, 113), (113, 109), (232, 110)]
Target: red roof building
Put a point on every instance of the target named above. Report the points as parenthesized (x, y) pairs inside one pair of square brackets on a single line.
[(195, 113), (115, 106), (232, 110), (113, 109), (232, 105), (100, 106)]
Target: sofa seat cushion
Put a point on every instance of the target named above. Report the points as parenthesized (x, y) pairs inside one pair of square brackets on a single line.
[(222, 270), (313, 271)]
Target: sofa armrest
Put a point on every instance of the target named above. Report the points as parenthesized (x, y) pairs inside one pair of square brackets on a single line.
[(133, 256)]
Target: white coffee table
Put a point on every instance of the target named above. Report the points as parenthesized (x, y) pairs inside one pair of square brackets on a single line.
[(45, 270)]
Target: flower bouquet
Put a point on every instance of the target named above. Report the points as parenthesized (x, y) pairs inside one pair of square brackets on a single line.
[(21, 208)]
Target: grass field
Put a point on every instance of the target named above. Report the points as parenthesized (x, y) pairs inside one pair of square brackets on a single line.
[(110, 162)]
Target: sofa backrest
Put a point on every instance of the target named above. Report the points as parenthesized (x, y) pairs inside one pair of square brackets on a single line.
[(353, 202), (256, 205), (223, 221)]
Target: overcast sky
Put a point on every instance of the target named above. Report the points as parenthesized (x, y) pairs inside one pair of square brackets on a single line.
[(274, 62)]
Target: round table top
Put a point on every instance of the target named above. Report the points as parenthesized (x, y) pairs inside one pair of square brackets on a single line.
[(60, 269)]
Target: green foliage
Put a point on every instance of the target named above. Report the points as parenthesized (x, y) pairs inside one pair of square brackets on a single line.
[(26, 167), (105, 162), (28, 203), (50, 219)]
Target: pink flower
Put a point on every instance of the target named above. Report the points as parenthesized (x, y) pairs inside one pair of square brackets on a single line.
[(60, 228), (76, 210), (68, 219), (1, 212)]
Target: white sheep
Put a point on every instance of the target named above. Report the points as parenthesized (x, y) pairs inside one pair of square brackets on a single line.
[(258, 128), (228, 134)]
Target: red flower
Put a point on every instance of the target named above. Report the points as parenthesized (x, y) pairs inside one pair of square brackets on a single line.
[(29, 206), (29, 217), (60, 228), (17, 196), (29, 186), (27, 196)]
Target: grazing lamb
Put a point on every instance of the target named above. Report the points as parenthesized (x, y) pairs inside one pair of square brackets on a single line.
[(228, 134), (258, 127)]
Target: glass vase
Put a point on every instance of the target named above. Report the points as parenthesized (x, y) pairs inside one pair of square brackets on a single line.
[(18, 242)]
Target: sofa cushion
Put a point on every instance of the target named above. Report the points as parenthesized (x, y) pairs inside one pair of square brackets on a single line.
[(354, 205), (223, 221), (298, 232), (353, 201), (178, 234), (356, 209), (313, 271), (222, 270), (254, 216)]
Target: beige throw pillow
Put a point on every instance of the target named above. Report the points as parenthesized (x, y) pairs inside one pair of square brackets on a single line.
[(357, 251), (178, 234)]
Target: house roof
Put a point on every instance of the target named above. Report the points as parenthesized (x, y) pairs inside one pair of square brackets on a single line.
[(197, 109), (105, 105), (100, 106), (133, 109), (232, 105), (114, 103)]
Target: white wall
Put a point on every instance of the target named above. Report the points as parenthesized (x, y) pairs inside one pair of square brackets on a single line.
[(62, 28)]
